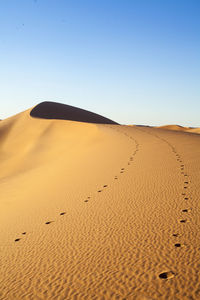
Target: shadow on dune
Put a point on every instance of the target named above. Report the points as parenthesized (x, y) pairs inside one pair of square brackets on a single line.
[(53, 110)]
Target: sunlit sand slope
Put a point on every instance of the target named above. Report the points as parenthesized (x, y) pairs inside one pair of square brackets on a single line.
[(93, 211), (181, 128)]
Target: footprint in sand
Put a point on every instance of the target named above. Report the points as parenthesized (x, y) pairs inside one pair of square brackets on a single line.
[(184, 210), (24, 233), (99, 191), (49, 222), (183, 221), (115, 177), (178, 245), (175, 234), (167, 275), (105, 186), (62, 213), (186, 198), (17, 240)]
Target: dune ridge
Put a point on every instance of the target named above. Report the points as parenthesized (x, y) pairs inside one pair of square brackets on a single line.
[(98, 211)]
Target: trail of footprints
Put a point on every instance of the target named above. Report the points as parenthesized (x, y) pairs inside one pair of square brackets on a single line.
[(122, 170), (47, 223), (184, 211), (185, 195)]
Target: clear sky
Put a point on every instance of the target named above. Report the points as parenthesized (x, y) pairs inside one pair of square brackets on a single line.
[(134, 61)]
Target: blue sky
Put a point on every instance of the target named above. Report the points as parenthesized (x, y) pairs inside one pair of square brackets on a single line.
[(136, 62)]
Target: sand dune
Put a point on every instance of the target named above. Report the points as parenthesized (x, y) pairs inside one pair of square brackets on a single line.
[(98, 211), (194, 130), (180, 128)]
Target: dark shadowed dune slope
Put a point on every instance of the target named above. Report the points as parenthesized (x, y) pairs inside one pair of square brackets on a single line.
[(53, 110)]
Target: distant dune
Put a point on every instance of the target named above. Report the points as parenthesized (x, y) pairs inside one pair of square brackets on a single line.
[(180, 128), (95, 210), (53, 110)]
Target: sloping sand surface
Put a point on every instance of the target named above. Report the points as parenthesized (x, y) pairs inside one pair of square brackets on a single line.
[(95, 211)]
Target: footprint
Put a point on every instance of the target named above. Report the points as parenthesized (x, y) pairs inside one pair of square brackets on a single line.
[(186, 182), (116, 177), (99, 191), (23, 232), (183, 221), (175, 234), (105, 186), (86, 200), (183, 194), (184, 210), (186, 198), (49, 222), (17, 240), (166, 275), (121, 172), (122, 169), (62, 213), (178, 245)]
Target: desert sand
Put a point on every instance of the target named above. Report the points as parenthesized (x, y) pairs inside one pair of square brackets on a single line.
[(97, 211), (181, 128)]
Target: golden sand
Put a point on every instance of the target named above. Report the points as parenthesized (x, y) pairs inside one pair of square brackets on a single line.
[(97, 211), (181, 128)]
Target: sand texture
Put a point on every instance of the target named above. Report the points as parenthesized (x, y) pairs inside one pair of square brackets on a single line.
[(98, 211)]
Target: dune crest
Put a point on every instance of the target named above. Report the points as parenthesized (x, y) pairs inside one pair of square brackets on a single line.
[(59, 111)]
